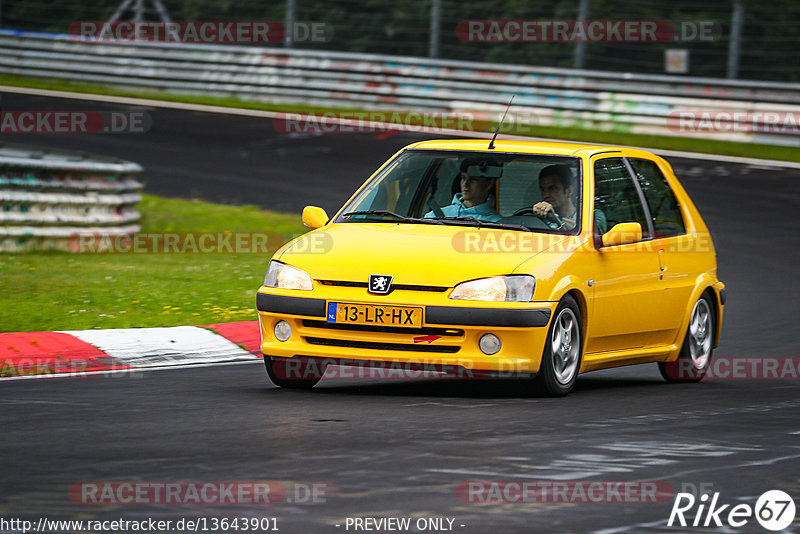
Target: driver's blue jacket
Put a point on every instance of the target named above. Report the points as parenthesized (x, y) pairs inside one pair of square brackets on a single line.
[(457, 208)]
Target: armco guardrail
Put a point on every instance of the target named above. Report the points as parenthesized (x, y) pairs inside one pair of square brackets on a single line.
[(747, 111), (47, 198)]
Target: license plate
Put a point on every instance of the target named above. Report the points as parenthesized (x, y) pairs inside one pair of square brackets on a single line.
[(341, 312)]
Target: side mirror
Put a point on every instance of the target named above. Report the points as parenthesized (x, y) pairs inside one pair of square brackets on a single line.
[(622, 234), (314, 217)]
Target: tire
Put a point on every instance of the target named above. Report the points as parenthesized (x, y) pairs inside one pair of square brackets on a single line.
[(694, 359), (561, 361), (294, 373)]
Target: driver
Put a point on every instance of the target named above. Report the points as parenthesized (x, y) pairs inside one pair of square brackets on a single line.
[(557, 187), (475, 199)]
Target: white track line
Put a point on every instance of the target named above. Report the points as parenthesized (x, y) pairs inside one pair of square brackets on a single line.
[(399, 127), (159, 347)]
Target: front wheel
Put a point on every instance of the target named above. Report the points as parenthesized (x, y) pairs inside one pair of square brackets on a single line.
[(294, 373), (561, 359), (695, 357)]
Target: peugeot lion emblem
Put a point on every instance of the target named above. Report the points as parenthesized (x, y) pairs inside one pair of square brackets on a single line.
[(380, 284)]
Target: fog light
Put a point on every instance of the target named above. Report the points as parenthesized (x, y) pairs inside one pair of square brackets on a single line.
[(490, 344), (283, 330)]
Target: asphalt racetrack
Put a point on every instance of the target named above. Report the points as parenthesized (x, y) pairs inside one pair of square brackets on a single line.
[(405, 448)]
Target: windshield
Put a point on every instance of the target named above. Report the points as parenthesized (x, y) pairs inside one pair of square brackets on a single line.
[(517, 191)]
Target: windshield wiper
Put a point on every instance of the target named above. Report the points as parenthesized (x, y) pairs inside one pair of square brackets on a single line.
[(387, 213), (471, 221), (482, 223)]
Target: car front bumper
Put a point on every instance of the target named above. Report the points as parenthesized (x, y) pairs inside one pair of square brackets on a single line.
[(449, 336)]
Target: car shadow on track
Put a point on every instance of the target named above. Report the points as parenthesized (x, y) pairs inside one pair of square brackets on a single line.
[(501, 388)]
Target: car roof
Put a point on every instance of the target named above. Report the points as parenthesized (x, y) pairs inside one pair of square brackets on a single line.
[(526, 147)]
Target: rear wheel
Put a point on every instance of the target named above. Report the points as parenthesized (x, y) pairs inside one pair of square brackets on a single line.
[(561, 359), (695, 357), (294, 373)]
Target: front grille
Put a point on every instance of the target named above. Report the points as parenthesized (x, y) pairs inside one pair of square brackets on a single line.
[(453, 332), (382, 346), (343, 283), (365, 285), (414, 287)]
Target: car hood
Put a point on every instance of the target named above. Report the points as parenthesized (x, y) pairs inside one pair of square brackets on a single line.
[(412, 253)]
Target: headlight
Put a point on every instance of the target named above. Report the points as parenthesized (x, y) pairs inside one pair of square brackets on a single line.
[(287, 277), (497, 289)]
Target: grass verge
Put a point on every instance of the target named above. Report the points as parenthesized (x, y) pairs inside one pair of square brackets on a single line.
[(687, 144), (65, 291)]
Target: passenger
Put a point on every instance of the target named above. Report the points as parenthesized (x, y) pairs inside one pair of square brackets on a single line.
[(474, 200)]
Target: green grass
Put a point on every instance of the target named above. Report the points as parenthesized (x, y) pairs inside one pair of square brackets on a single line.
[(63, 290), (707, 146)]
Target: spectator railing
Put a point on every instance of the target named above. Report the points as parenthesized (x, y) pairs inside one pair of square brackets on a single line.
[(739, 110)]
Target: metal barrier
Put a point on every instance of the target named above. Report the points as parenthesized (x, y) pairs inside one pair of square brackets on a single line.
[(47, 198), (747, 111)]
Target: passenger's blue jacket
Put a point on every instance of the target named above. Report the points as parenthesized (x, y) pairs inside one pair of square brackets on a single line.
[(482, 212)]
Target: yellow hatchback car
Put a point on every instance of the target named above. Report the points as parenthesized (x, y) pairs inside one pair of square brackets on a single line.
[(540, 259)]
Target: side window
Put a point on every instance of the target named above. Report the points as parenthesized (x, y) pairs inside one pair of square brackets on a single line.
[(616, 196), (664, 208), (395, 193)]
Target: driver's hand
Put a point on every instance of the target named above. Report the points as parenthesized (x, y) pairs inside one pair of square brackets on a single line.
[(541, 209)]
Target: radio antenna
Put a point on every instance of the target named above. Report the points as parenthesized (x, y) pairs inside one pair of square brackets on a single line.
[(491, 143)]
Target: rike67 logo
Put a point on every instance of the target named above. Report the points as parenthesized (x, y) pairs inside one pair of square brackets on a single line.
[(774, 510)]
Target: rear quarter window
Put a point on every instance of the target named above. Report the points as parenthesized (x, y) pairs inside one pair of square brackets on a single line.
[(664, 207)]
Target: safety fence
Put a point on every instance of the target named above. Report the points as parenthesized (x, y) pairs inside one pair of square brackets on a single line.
[(733, 110), (48, 197)]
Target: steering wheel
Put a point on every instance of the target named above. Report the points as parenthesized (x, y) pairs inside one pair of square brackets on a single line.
[(551, 219), (553, 216)]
